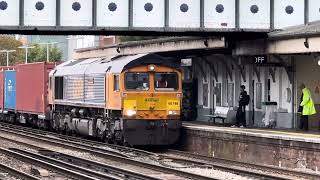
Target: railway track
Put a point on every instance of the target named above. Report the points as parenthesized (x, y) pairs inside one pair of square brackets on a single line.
[(111, 148), (96, 165), (261, 171), (45, 164), (69, 162), (16, 173), (118, 152), (107, 154)]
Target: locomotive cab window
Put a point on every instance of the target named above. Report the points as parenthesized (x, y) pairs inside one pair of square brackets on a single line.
[(137, 81), (166, 81)]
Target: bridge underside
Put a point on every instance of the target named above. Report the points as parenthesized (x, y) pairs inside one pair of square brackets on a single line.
[(165, 17)]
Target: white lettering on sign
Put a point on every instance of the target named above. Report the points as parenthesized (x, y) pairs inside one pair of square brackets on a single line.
[(260, 59)]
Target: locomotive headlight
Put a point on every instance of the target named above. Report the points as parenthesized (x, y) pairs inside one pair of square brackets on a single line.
[(151, 67), (131, 112), (172, 112)]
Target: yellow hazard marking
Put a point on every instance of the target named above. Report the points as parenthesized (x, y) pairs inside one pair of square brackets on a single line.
[(130, 104)]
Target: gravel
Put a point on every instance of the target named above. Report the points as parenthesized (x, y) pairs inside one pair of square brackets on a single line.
[(82, 155), (6, 176), (209, 172), (21, 165)]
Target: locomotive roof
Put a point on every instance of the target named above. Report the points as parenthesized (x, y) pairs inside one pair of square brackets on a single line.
[(114, 65)]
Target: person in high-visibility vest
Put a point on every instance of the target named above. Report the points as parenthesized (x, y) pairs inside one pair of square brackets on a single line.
[(306, 107)]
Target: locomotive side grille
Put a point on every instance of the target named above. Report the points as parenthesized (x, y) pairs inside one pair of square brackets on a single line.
[(94, 89)]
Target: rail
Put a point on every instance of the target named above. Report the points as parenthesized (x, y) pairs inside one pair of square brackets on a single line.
[(17, 173), (46, 164), (250, 169), (100, 152), (99, 149)]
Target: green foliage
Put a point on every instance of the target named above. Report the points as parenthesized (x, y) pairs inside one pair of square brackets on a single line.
[(10, 43), (37, 54)]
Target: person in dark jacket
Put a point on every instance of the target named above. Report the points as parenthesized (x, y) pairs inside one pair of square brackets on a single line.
[(241, 112)]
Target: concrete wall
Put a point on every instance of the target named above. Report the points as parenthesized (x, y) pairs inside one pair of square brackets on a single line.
[(252, 149)]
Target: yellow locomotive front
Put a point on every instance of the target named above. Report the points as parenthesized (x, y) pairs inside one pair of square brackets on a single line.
[(151, 98)]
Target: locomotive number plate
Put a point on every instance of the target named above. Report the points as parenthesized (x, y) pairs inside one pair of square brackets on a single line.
[(173, 105)]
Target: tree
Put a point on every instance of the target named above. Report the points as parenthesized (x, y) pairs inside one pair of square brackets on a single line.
[(55, 54), (39, 54), (10, 43), (36, 54)]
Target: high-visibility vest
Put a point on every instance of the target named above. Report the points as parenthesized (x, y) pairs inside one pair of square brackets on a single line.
[(307, 103)]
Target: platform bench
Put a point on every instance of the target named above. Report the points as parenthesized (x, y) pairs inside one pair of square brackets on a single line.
[(219, 113)]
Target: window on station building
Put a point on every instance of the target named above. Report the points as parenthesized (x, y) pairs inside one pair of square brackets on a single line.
[(259, 95), (224, 92), (205, 99), (230, 94), (116, 83), (58, 87), (218, 94)]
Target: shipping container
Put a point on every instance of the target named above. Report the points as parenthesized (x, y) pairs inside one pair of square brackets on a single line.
[(1, 90), (2, 69), (32, 87), (10, 90)]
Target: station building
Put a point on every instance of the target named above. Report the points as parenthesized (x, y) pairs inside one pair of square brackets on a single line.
[(271, 69)]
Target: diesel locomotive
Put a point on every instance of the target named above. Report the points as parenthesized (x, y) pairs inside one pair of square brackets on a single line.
[(132, 100)]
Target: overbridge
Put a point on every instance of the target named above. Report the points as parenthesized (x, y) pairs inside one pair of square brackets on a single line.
[(161, 16)]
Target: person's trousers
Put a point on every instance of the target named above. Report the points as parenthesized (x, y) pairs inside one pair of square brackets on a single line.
[(304, 122), (241, 116)]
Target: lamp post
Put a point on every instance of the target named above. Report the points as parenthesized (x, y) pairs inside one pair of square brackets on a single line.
[(26, 47), (8, 52), (48, 52)]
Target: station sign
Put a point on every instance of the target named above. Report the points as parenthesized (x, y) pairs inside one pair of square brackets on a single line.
[(186, 62), (261, 59)]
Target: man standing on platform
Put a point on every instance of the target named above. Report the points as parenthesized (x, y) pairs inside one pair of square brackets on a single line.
[(244, 99), (306, 107)]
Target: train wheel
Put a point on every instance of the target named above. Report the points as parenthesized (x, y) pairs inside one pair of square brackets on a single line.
[(12, 119), (65, 129), (101, 135), (119, 140), (125, 143)]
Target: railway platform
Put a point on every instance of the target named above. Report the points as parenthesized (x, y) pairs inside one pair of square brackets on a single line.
[(283, 148)]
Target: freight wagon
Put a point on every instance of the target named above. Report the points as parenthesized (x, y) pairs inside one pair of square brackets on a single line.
[(32, 93), (24, 93), (134, 100), (2, 87)]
